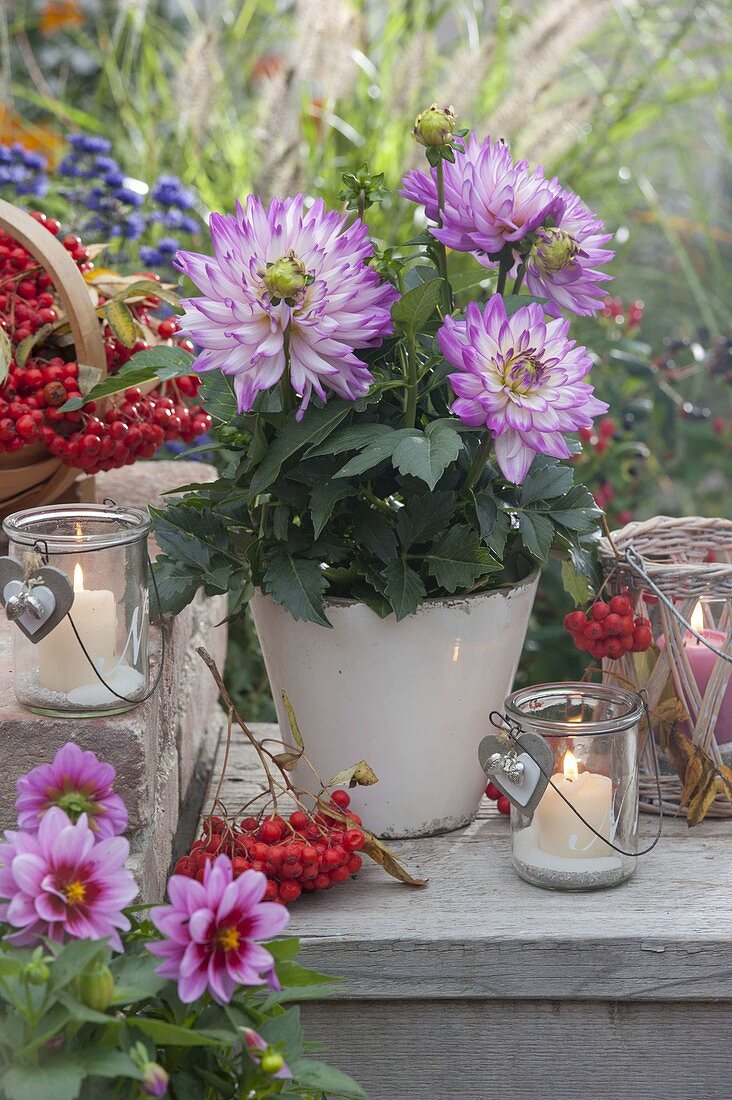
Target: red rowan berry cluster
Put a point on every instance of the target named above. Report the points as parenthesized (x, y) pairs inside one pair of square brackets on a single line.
[(627, 316), (37, 386), (496, 795), (609, 629), (306, 852)]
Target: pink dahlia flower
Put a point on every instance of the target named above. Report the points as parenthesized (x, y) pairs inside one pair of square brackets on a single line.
[(211, 929), (564, 260), (287, 285), (490, 201), (79, 783), (256, 1046), (521, 378), (62, 883)]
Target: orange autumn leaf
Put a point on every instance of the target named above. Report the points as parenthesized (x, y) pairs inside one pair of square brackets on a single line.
[(31, 135), (60, 15)]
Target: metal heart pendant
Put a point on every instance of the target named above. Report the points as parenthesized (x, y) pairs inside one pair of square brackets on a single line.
[(537, 764), (40, 603)]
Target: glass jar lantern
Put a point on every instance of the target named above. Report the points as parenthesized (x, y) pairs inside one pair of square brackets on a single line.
[(94, 661), (592, 730)]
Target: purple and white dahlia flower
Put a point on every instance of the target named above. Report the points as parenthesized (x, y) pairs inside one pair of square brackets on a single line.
[(211, 930), (490, 201), (521, 378), (80, 783), (287, 289), (63, 883), (564, 260)]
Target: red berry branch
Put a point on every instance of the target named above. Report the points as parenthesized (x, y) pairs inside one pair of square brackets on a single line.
[(313, 847), (610, 629), (42, 374)]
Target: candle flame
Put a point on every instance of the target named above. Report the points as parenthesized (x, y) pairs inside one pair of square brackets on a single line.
[(697, 619), (79, 532), (571, 771), (78, 578)]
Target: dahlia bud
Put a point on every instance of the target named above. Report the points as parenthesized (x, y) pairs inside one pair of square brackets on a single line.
[(554, 249), (286, 277), (435, 126), (95, 986), (155, 1081), (36, 972), (272, 1062)]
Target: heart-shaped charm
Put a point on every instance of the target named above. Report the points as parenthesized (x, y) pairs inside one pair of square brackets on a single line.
[(538, 764), (51, 590)]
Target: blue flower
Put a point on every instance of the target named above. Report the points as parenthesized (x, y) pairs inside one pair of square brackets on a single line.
[(168, 246), (22, 170), (128, 196), (169, 191), (151, 256), (89, 143)]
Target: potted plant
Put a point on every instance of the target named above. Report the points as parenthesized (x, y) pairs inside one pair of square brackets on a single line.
[(391, 478)]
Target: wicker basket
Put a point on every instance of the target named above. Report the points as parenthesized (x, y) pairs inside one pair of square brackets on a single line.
[(675, 559), (32, 476)]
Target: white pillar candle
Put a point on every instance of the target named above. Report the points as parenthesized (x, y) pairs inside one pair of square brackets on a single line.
[(62, 665), (561, 833)]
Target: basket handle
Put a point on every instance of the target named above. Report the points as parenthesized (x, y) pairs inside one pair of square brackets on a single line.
[(71, 288)]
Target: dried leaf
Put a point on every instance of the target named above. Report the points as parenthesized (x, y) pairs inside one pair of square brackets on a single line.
[(294, 728), (668, 716), (287, 760), (385, 858), (724, 781), (88, 377), (6, 354), (95, 250), (121, 321), (704, 796), (695, 776), (680, 750), (25, 347), (360, 775)]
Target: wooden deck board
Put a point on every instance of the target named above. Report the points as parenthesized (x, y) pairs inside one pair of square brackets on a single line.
[(481, 985)]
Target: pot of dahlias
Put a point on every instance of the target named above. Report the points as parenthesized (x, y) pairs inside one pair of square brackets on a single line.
[(392, 474), (98, 998)]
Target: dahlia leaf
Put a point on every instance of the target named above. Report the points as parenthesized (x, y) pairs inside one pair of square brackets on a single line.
[(60, 1076), (575, 510), (298, 585), (457, 559), (404, 588), (424, 517), (428, 454), (350, 439), (411, 312), (575, 584), (324, 497), (217, 394), (324, 1078), (293, 437), (373, 530), (538, 534), (494, 523), (545, 480), (514, 302), (376, 452), (176, 585)]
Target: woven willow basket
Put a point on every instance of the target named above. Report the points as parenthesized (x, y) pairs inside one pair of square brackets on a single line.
[(32, 476), (675, 557)]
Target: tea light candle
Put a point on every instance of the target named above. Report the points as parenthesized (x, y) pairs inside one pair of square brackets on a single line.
[(561, 833), (62, 665)]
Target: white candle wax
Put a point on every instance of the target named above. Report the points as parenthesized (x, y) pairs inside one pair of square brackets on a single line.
[(62, 665), (561, 833)]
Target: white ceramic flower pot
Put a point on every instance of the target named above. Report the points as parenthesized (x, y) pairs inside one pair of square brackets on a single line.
[(412, 698)]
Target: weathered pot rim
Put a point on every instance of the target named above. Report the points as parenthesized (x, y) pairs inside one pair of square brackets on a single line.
[(436, 601)]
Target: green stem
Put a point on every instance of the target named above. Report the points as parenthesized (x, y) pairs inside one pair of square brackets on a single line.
[(441, 250), (361, 204), (377, 501), (520, 276), (410, 407), (503, 269), (479, 461), (288, 396)]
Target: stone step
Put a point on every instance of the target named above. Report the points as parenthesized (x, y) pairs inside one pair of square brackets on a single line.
[(163, 750)]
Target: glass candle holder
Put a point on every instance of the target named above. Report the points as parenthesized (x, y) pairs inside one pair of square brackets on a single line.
[(592, 730), (102, 549)]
